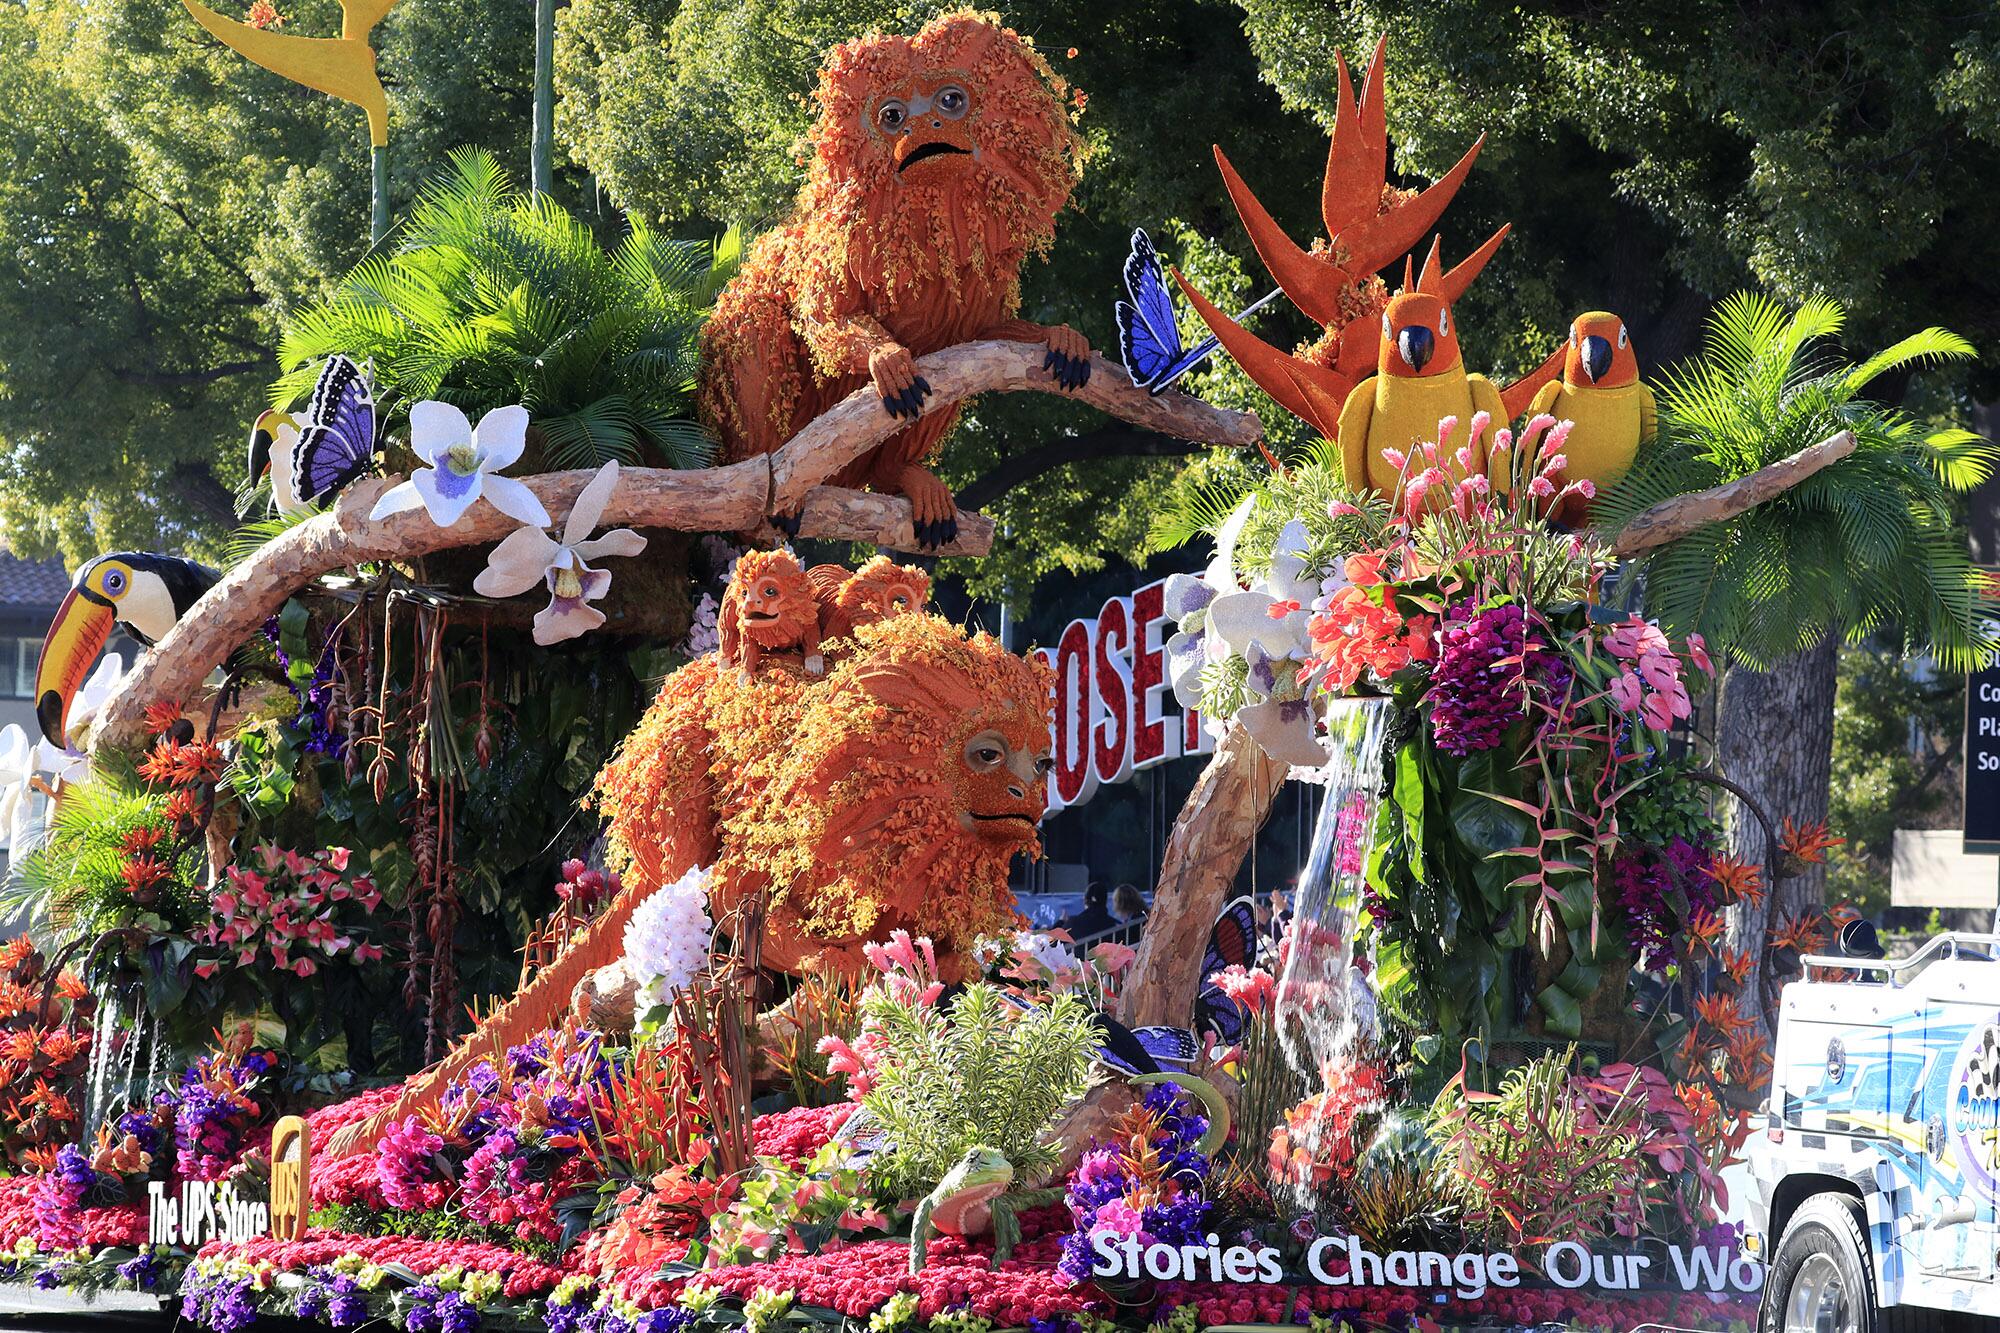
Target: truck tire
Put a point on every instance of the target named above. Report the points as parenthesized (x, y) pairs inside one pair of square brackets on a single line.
[(1821, 1279)]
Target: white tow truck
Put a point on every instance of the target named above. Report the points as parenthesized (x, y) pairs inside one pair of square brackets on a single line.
[(1878, 1170)]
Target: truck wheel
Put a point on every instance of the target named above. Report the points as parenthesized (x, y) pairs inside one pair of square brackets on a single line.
[(1820, 1279)]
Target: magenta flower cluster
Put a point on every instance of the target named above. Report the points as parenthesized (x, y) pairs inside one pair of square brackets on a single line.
[(1476, 688), (1659, 889)]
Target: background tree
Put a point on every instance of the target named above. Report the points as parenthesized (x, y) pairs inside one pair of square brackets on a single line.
[(167, 203)]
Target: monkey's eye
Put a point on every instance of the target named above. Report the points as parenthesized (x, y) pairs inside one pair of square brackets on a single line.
[(987, 754), (892, 114), (113, 582), (1044, 766), (951, 102), (769, 590), (1621, 336), (900, 602)]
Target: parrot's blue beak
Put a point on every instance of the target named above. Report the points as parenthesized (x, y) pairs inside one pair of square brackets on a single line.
[(1596, 357), (1416, 345)]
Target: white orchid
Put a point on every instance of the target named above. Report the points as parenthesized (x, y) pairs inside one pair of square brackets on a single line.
[(1267, 626), (529, 556), (1189, 598), (464, 465), (17, 797)]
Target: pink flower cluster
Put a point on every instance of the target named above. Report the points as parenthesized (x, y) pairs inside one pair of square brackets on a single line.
[(910, 977), (295, 911), (404, 1165), (1648, 682)]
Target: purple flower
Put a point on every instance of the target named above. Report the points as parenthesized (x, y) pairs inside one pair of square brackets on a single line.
[(1476, 690)]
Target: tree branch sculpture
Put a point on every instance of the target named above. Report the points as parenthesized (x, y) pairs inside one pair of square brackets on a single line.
[(735, 498)]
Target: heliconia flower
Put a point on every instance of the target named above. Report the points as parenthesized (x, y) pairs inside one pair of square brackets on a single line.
[(464, 465), (529, 556)]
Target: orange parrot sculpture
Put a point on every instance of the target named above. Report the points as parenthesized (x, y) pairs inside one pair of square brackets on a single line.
[(1601, 392), (1369, 224), (1420, 378)]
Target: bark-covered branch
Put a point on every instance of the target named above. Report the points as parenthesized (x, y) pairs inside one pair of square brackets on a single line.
[(1670, 520), (735, 498)]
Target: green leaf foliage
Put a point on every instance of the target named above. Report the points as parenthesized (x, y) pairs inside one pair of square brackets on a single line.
[(492, 297), (1871, 545)]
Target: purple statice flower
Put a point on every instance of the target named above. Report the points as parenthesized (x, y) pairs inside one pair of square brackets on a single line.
[(567, 1316), (434, 1311), (221, 1304), (1475, 689), (345, 1305)]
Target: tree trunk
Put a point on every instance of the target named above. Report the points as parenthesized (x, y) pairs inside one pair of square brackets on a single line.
[(1229, 803), (1775, 740)]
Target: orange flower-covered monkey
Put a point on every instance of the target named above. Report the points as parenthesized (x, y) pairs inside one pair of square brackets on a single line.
[(768, 609), (939, 163), (879, 589)]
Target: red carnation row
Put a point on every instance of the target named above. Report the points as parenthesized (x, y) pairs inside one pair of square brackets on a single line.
[(798, 1133)]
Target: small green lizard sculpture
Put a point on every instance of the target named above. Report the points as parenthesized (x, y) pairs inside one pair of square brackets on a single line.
[(976, 1193)]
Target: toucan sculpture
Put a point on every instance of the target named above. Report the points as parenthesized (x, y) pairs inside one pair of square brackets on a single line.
[(144, 592), (274, 440)]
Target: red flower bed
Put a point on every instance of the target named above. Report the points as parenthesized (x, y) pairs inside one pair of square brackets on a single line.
[(525, 1276), (798, 1133), (858, 1280)]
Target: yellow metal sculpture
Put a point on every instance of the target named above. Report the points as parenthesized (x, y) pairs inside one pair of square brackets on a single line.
[(342, 67)]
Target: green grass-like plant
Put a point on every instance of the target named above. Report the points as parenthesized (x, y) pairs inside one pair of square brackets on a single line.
[(977, 1072)]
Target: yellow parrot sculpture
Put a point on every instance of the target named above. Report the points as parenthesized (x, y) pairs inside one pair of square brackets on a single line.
[(1419, 379), (1600, 390)]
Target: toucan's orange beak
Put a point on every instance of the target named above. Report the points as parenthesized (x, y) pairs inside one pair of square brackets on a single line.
[(82, 627)]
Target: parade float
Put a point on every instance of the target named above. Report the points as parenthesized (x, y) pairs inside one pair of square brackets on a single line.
[(770, 1044)]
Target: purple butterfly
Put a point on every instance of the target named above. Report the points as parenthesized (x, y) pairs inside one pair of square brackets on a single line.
[(337, 437)]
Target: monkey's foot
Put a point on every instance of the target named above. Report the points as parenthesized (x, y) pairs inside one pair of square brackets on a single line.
[(1068, 357), (932, 513), (903, 390)]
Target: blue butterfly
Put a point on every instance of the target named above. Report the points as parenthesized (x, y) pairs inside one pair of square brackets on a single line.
[(1149, 332), (1149, 1050), (337, 437)]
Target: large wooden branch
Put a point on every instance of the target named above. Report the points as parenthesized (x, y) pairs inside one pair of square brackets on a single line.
[(960, 372), (1670, 520), (734, 498)]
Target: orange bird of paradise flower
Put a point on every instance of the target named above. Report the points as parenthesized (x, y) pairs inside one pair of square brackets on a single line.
[(1369, 224)]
